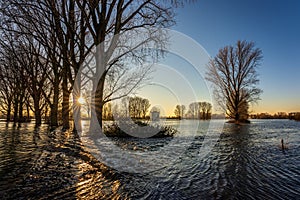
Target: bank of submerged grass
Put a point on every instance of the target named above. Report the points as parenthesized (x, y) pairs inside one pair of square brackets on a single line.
[(127, 129)]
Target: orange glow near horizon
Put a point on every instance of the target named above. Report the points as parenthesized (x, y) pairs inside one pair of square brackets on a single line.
[(168, 104)]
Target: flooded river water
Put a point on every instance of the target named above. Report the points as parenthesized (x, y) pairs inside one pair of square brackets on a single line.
[(243, 162)]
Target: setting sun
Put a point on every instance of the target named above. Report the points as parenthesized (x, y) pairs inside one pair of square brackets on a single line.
[(81, 100)]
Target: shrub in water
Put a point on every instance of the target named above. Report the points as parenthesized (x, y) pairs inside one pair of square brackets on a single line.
[(138, 129)]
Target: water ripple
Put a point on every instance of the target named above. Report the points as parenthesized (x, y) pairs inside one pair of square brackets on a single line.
[(246, 163)]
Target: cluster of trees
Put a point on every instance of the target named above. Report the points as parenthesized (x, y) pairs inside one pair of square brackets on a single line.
[(296, 117), (108, 111), (179, 111), (138, 107), (133, 107), (197, 110), (44, 45)]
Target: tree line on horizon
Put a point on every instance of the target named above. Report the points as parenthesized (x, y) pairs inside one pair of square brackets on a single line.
[(137, 107), (278, 115), (196, 110), (133, 107)]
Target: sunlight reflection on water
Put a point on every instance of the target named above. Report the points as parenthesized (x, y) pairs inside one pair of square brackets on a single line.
[(246, 160)]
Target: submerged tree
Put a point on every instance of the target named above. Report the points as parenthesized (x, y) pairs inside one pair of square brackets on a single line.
[(200, 110), (179, 111), (205, 109), (138, 107), (57, 38), (145, 105), (122, 31), (194, 111), (233, 72)]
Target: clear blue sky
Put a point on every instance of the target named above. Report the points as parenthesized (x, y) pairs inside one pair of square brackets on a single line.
[(274, 26)]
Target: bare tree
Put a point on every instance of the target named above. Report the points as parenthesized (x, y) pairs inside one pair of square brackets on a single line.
[(205, 109), (60, 35), (124, 107), (7, 88), (13, 77), (145, 107), (194, 110), (70, 25), (134, 107), (107, 112), (60, 27), (138, 107), (233, 72), (179, 111), (115, 26)]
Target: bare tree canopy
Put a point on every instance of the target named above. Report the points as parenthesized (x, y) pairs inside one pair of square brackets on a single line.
[(138, 107), (122, 33), (179, 111), (199, 110), (61, 36), (233, 72)]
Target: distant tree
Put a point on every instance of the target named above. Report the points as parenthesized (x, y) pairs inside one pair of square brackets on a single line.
[(133, 107), (194, 111), (138, 107), (205, 109), (124, 107), (107, 112), (297, 116), (281, 115), (179, 111), (233, 72), (145, 107)]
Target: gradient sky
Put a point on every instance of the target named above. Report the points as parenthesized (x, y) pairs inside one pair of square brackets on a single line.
[(274, 26)]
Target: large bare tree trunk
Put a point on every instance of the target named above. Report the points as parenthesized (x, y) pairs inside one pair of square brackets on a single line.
[(38, 117), (16, 108), (66, 103), (236, 108), (8, 111), (99, 100), (54, 105), (53, 115), (28, 114), (76, 105), (21, 119), (97, 92), (21, 102), (98, 89), (37, 110), (237, 116)]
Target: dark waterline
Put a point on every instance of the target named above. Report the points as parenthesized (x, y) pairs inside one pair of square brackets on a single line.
[(247, 162)]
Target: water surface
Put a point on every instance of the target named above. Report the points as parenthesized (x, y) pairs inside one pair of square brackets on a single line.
[(246, 162)]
